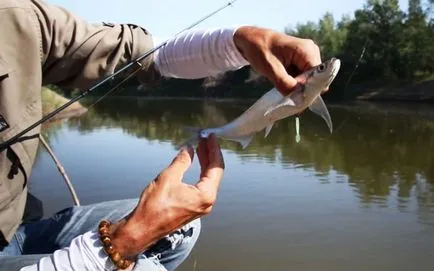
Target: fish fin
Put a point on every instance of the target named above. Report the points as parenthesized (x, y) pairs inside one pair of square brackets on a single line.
[(244, 141), (268, 129), (194, 137), (276, 111), (318, 107)]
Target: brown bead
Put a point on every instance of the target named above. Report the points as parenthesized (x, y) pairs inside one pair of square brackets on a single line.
[(104, 223), (116, 257), (120, 263), (125, 264), (104, 230), (102, 236), (109, 249), (103, 227), (106, 241), (112, 253)]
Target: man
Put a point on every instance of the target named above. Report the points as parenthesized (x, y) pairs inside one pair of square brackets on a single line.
[(45, 44)]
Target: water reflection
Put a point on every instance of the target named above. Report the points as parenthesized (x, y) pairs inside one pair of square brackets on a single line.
[(384, 155)]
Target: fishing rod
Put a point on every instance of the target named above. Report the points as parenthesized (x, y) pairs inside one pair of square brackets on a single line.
[(16, 138)]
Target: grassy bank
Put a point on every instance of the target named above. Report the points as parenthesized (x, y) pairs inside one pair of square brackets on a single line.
[(421, 91), (51, 100)]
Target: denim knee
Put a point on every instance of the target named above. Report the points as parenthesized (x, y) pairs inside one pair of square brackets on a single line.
[(170, 251)]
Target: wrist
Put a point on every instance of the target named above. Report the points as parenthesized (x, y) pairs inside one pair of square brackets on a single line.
[(238, 58), (129, 239)]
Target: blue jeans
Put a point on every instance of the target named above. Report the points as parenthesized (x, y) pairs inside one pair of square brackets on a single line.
[(35, 240)]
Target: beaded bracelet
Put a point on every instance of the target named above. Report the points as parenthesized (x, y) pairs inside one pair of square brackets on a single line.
[(104, 236)]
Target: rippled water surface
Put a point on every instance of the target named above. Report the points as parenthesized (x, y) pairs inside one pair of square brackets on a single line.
[(359, 199)]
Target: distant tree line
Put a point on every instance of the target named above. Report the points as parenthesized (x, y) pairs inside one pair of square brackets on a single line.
[(381, 44)]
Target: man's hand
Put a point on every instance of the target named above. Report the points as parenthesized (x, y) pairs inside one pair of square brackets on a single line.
[(274, 54), (167, 203)]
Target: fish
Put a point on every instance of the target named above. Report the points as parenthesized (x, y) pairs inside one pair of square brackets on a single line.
[(274, 106)]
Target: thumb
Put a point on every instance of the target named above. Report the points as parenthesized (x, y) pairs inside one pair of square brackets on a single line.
[(283, 82), (180, 164)]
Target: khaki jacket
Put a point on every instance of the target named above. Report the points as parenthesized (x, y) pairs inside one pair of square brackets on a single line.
[(44, 44)]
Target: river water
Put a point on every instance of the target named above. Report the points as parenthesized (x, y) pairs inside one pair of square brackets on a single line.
[(361, 198)]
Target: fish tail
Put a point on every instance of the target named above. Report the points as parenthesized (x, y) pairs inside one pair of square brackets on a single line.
[(193, 140)]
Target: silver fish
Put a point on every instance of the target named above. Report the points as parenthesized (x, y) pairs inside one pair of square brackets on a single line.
[(273, 106)]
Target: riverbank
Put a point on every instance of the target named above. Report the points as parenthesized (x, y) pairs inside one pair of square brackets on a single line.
[(380, 91), (51, 100), (422, 91)]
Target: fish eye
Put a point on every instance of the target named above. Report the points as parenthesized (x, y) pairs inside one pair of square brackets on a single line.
[(321, 67)]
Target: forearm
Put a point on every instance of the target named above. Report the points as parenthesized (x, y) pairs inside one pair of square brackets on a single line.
[(199, 53)]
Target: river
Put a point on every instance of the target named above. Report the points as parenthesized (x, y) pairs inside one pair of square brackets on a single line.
[(361, 198)]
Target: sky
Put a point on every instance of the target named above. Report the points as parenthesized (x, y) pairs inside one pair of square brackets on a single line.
[(164, 18)]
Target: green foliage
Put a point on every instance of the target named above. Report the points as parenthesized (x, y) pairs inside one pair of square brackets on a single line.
[(327, 33), (382, 44), (51, 99), (65, 92)]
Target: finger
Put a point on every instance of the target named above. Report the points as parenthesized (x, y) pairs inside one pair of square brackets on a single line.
[(202, 151), (305, 61), (212, 174), (215, 155), (313, 60), (180, 164), (278, 75), (309, 56)]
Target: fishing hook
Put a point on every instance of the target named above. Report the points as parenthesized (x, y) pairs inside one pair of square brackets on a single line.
[(15, 139)]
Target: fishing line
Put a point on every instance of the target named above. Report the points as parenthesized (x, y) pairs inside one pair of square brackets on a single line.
[(342, 123), (357, 64), (15, 139), (116, 86)]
